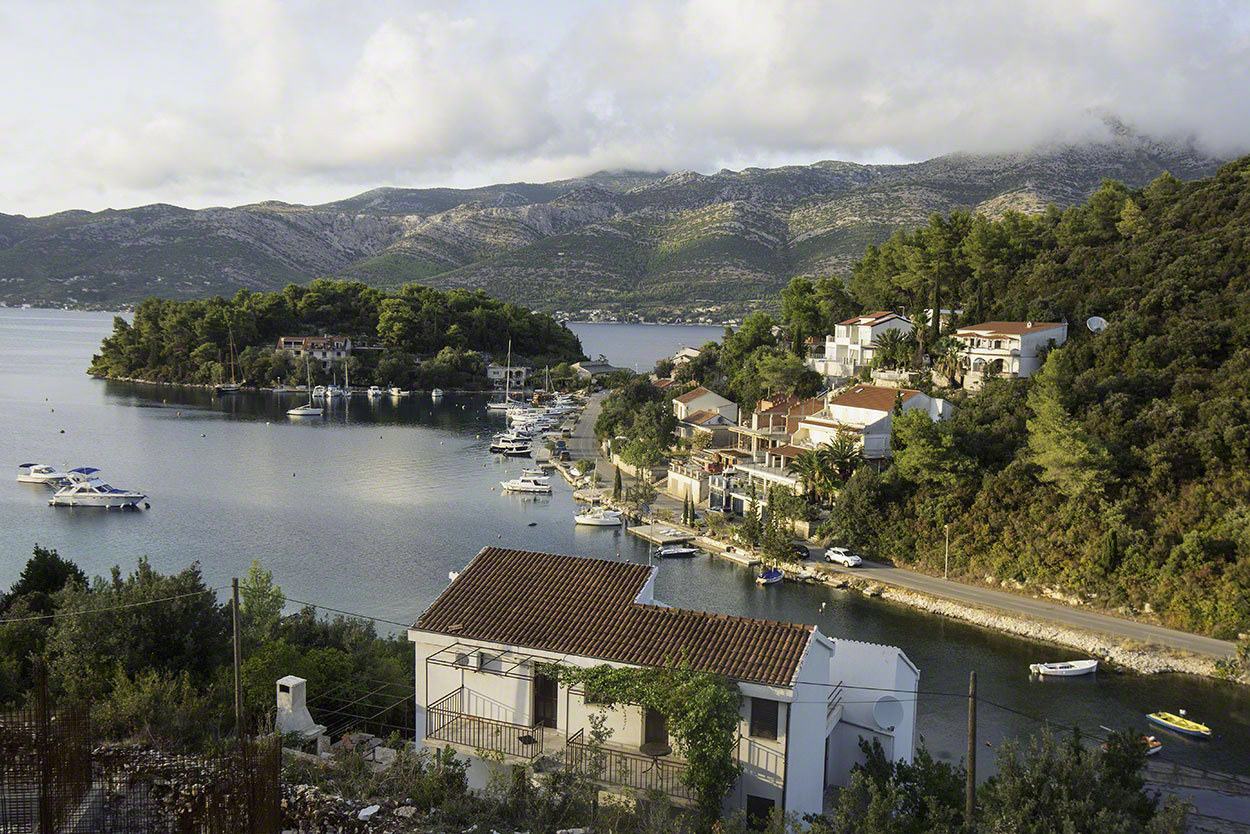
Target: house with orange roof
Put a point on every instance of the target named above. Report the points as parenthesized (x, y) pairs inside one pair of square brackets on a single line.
[(849, 349), (866, 412), (486, 647), (703, 399), (1006, 348)]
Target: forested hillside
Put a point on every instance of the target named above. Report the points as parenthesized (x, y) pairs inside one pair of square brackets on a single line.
[(1120, 473), (426, 337)]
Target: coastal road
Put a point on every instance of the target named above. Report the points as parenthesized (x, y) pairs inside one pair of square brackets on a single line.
[(582, 445), (1036, 608)]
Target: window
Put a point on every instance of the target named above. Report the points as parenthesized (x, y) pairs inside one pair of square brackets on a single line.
[(655, 729), (758, 810), (763, 718)]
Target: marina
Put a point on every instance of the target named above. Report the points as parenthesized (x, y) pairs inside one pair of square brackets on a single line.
[(333, 496)]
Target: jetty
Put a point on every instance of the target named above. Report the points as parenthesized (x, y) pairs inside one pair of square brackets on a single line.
[(660, 534)]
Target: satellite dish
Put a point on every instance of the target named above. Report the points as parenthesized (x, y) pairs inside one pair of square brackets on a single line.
[(1096, 324), (888, 712)]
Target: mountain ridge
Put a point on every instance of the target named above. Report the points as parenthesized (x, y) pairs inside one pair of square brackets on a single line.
[(623, 241)]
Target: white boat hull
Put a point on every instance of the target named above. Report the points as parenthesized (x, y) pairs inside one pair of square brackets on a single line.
[(40, 479), (126, 499), (597, 521), (536, 490), (1064, 670), (305, 412)]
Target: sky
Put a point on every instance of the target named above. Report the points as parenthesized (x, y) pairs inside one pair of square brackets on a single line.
[(235, 101)]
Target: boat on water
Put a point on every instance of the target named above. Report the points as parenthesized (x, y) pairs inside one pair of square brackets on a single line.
[(231, 387), (1179, 724), (40, 473), (333, 392), (436, 394), (84, 489), (319, 392), (769, 576), (676, 551), (306, 410), (598, 517), (396, 391), (517, 450), (1152, 745), (528, 483), (511, 444), (374, 391), (1067, 669)]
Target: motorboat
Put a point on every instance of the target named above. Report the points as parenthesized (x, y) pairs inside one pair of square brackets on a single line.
[(676, 551), (502, 405), (1067, 669), (528, 483), (598, 517), (40, 473), (333, 391), (770, 576), (1152, 745), (517, 450), (319, 392), (507, 445), (436, 394), (227, 388), (374, 391), (306, 410), (1180, 724), (84, 489), (396, 391)]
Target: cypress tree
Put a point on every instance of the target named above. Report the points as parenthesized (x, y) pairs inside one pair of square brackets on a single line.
[(616, 486)]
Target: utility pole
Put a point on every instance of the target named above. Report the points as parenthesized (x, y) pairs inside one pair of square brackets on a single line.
[(970, 800), (238, 681), (946, 571)]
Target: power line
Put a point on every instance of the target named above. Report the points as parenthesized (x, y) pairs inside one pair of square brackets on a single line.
[(350, 613), (58, 614)]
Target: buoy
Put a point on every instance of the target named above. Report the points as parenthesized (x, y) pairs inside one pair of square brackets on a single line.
[(203, 435), (500, 536), (292, 474), (492, 489), (53, 410), (146, 505), (62, 431), (532, 524), (179, 413)]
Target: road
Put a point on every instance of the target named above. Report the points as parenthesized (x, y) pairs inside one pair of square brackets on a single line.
[(582, 445)]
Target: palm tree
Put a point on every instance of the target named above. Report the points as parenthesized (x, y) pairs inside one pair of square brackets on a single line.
[(842, 455), (891, 349), (949, 358), (808, 465)]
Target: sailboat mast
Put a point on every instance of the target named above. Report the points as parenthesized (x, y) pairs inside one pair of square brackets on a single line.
[(507, 376)]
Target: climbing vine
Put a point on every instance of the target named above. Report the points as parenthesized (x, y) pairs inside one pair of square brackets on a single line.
[(701, 709)]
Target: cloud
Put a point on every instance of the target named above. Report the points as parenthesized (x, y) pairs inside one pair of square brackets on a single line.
[(238, 101)]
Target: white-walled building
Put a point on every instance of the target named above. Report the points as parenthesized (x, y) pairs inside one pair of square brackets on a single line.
[(849, 349), (701, 399), (1006, 348), (324, 349), (498, 375), (867, 412), (481, 682), (684, 355)]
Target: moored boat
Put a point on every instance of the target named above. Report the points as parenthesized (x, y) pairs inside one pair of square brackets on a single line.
[(396, 391), (1066, 669), (1152, 745), (676, 551), (598, 517), (1180, 724), (374, 391), (84, 489), (769, 576), (40, 473), (436, 394), (306, 410), (528, 483)]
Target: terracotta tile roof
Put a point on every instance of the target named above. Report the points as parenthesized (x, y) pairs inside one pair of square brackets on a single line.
[(662, 383), (872, 397), (586, 607), (1006, 328), (788, 451), (701, 416), (872, 318), (692, 395)]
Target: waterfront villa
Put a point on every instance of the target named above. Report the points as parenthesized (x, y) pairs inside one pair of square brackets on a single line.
[(701, 399), (850, 348), (684, 355), (501, 376), (703, 423), (484, 683), (323, 349), (1006, 348), (866, 411)]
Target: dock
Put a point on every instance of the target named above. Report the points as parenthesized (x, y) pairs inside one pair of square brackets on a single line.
[(732, 554), (660, 534)]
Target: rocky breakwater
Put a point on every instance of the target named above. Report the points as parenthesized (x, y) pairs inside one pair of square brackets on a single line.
[(1122, 653)]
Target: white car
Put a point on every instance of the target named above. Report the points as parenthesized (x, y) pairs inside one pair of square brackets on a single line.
[(842, 556)]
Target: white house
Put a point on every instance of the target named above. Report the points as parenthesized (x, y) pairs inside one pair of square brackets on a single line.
[(684, 355), (867, 412), (701, 399), (483, 682), (497, 374), (849, 349), (1006, 348), (324, 349)]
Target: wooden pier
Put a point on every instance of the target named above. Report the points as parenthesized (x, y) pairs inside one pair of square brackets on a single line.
[(660, 533)]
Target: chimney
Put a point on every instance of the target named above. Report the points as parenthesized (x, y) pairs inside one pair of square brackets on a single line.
[(293, 716), (1028, 324)]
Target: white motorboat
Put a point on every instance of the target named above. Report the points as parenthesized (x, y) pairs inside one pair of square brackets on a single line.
[(528, 483), (517, 450), (506, 443), (598, 517), (1064, 670), (333, 391), (306, 410), (396, 391), (84, 489), (436, 394), (40, 473), (319, 391), (676, 551), (374, 391)]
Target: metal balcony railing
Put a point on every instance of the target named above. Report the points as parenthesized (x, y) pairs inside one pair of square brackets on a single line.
[(447, 720), (620, 767)]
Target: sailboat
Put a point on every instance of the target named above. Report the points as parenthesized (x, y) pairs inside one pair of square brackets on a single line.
[(308, 409), (508, 402), (231, 387)]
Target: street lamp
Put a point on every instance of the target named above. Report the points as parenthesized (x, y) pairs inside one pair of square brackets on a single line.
[(946, 571)]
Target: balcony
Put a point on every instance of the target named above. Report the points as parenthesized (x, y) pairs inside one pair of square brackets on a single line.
[(615, 766), (448, 720)]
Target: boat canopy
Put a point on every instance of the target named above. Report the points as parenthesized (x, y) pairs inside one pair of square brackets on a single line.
[(85, 470), (26, 465)]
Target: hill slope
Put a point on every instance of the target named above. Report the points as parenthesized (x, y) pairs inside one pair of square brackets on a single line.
[(621, 240)]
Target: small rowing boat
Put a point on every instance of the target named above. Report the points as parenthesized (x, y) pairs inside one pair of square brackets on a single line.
[(1180, 724), (1066, 669)]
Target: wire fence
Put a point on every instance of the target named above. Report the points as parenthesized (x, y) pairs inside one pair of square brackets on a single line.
[(377, 707)]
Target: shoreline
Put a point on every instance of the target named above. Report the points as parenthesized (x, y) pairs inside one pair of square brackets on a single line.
[(204, 386)]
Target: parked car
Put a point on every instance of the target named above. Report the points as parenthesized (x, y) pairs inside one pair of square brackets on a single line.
[(726, 512), (801, 552), (842, 556)]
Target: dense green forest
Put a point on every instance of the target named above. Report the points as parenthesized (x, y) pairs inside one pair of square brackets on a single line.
[(1121, 471), (426, 337)]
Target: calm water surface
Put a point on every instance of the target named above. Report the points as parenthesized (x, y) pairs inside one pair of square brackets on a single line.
[(368, 509)]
